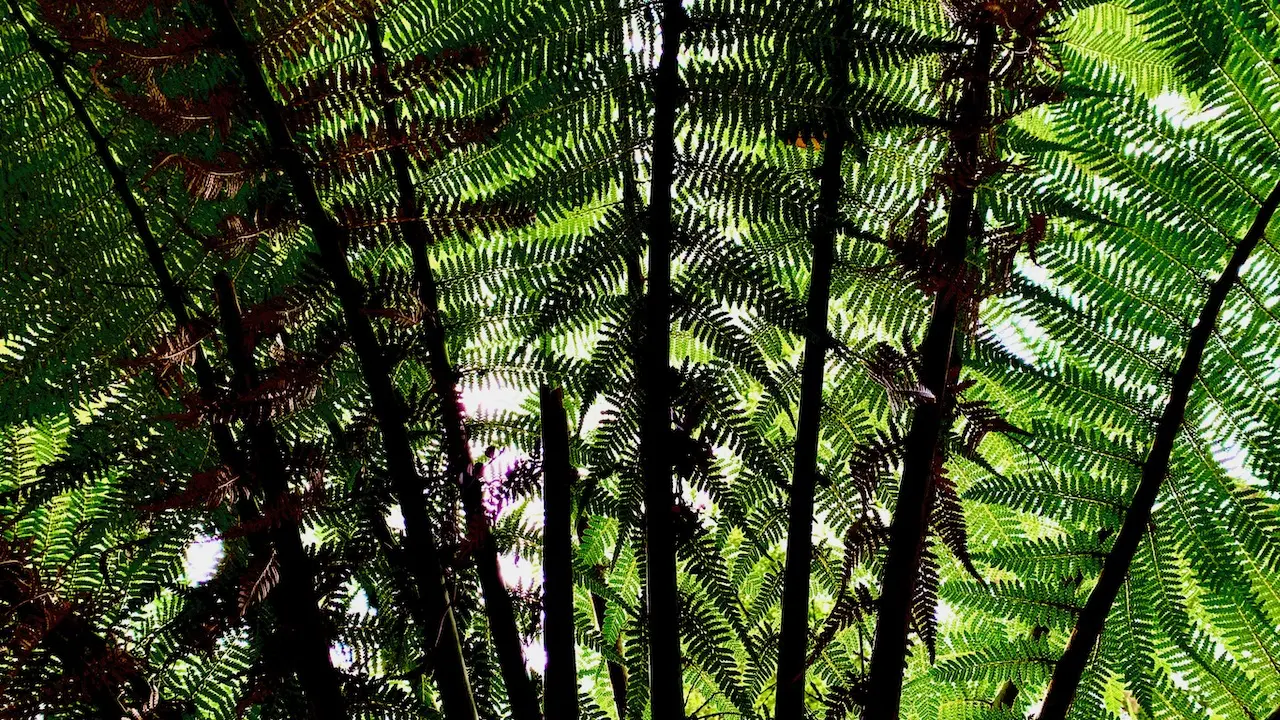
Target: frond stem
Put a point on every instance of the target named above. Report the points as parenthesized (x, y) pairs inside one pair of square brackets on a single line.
[(666, 669), (1089, 625)]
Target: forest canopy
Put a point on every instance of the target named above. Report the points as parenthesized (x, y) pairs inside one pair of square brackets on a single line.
[(640, 359)]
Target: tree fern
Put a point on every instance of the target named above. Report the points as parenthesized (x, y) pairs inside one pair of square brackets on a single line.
[(900, 349)]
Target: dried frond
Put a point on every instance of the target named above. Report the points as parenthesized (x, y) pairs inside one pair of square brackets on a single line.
[(1004, 245), (981, 418), (423, 141), (238, 235), (175, 115), (897, 373), (274, 315), (371, 225), (285, 511), (123, 9), (172, 353), (946, 519), (126, 58), (206, 180), (924, 602), (861, 542), (870, 462), (258, 581), (206, 489), (852, 607), (283, 390), (286, 36)]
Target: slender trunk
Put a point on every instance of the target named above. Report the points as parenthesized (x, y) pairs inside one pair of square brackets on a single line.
[(908, 531), (294, 598), (389, 410), (666, 685), (315, 672), (497, 600), (1089, 624), (561, 683), (794, 641), (618, 677)]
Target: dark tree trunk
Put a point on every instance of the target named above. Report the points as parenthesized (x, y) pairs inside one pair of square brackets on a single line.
[(561, 683), (389, 410), (908, 530), (1089, 624), (298, 613), (294, 599), (666, 687), (497, 601), (793, 645)]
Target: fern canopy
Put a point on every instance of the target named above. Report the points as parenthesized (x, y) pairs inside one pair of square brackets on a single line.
[(640, 360)]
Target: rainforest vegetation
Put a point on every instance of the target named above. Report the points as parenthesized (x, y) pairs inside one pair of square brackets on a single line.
[(640, 359)]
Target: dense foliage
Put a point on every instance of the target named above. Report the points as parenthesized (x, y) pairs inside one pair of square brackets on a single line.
[(615, 359)]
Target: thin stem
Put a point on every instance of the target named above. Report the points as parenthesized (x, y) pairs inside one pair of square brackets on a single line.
[(794, 640), (1089, 623), (498, 606)]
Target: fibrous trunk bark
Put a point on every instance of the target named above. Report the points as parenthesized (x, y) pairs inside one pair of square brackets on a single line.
[(666, 688), (498, 606), (909, 526), (793, 647), (1089, 624), (389, 410), (561, 683)]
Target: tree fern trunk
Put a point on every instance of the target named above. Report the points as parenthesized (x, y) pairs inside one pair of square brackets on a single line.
[(1089, 624), (296, 607), (294, 598), (666, 690), (497, 601), (561, 679), (388, 406), (908, 531), (793, 646)]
